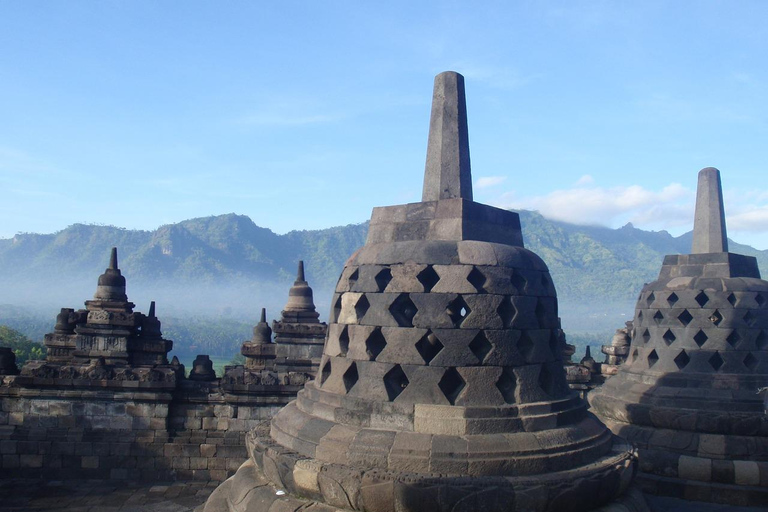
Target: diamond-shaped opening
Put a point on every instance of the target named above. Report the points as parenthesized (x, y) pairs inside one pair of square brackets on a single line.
[(760, 299), (734, 338), (547, 381), (507, 385), (732, 299), (343, 342), (672, 298), (477, 279), (403, 310), (651, 297), (541, 314), (383, 277), (762, 340), (353, 277), (685, 317), (429, 346), (395, 382), (669, 337), (451, 385), (635, 353), (639, 316), (701, 298), (750, 318), (715, 361), (653, 357), (361, 307), (458, 311), (700, 338), (428, 278), (716, 318), (350, 377), (750, 362), (326, 372), (518, 281), (682, 360), (506, 312), (544, 282), (646, 336), (336, 311), (480, 346), (525, 344), (375, 343), (658, 317)]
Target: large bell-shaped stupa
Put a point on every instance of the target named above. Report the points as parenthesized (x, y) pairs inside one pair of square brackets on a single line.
[(441, 386), (687, 396)]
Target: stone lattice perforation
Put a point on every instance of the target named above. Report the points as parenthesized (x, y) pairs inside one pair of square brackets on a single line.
[(454, 326), (445, 310), (441, 386), (701, 331), (421, 278), (444, 347)]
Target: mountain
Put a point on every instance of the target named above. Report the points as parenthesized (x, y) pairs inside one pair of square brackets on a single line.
[(227, 265)]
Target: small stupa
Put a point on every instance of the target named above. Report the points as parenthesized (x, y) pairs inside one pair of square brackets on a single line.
[(441, 385), (299, 334), (687, 396)]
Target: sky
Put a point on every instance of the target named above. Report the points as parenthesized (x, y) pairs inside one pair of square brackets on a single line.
[(306, 115)]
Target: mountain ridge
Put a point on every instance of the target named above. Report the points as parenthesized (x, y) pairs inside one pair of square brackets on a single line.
[(588, 263)]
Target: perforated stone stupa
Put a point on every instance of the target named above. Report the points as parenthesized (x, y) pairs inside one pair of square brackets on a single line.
[(687, 395), (441, 385)]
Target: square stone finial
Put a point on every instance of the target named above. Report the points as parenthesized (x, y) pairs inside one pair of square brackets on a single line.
[(709, 234), (447, 173)]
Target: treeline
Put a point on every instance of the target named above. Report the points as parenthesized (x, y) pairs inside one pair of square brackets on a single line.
[(24, 348)]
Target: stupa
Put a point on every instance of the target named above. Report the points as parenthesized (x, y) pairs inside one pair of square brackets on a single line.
[(687, 396), (299, 335), (441, 385)]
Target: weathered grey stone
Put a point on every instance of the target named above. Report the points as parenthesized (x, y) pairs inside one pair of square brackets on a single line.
[(709, 233), (447, 173)]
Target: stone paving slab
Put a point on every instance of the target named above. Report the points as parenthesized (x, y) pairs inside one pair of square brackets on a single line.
[(108, 496), (102, 496)]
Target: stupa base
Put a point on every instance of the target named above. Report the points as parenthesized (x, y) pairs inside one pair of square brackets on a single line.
[(277, 479)]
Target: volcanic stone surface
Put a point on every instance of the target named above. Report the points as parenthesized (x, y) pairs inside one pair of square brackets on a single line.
[(441, 385), (687, 395)]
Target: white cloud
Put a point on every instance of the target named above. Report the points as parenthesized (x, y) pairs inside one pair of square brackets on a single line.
[(585, 180), (489, 181), (754, 220), (672, 206)]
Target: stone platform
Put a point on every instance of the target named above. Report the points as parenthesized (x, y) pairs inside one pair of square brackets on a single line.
[(101, 496)]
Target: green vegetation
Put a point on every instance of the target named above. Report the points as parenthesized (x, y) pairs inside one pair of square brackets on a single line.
[(210, 275), (24, 348)]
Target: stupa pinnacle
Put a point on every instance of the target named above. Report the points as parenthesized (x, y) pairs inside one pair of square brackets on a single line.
[(441, 384), (709, 233)]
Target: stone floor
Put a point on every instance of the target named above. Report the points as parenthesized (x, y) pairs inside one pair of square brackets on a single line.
[(107, 496), (102, 496)]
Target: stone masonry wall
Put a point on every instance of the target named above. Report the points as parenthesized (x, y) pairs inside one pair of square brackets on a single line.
[(195, 434)]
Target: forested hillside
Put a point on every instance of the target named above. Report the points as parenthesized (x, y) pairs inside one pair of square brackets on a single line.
[(211, 275)]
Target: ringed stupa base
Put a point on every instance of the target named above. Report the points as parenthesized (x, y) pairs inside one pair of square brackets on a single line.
[(275, 478)]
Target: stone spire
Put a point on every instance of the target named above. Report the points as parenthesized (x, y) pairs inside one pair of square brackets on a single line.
[(111, 283), (447, 173), (709, 233)]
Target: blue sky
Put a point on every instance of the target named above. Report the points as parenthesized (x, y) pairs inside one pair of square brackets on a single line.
[(305, 115)]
